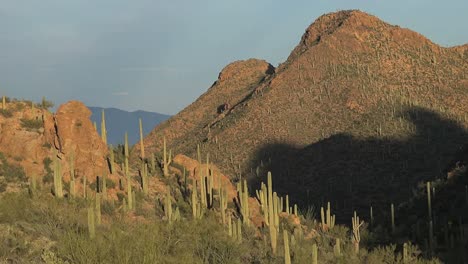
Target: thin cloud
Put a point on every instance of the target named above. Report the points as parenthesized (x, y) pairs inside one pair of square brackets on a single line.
[(120, 93), (149, 69)]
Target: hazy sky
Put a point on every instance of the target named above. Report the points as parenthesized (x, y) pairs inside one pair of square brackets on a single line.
[(161, 55)]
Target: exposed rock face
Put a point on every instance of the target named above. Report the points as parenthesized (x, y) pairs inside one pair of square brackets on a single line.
[(75, 135), (235, 83), (68, 133)]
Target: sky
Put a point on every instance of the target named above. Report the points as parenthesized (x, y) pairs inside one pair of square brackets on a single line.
[(160, 56)]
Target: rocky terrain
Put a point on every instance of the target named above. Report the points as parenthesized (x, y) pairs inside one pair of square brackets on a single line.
[(31, 137), (359, 113)]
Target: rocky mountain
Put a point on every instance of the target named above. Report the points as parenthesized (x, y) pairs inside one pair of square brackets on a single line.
[(360, 113), (119, 121)]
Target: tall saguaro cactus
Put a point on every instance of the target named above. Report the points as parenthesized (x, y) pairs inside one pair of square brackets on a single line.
[(127, 174), (166, 159), (142, 146), (356, 233), (287, 255), (58, 186), (72, 176), (91, 223), (429, 205), (271, 220), (103, 127), (329, 221), (3, 102)]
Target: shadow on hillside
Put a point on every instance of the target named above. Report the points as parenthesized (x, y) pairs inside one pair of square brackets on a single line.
[(354, 173)]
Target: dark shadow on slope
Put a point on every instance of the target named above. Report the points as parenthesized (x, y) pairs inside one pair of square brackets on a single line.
[(354, 173)]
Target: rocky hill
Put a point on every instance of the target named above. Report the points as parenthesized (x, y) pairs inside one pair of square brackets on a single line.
[(360, 113), (31, 137)]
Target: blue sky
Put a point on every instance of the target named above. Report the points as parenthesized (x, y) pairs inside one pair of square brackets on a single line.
[(161, 55)]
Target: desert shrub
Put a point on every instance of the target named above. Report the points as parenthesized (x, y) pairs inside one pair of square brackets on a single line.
[(45, 104), (31, 124), (6, 113), (11, 172), (48, 177), (110, 184)]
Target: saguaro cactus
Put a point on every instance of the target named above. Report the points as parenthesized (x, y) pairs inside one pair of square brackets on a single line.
[(271, 215), (392, 209), (337, 248), (58, 189), (103, 127), (429, 205), (72, 176), (168, 206), (127, 174), (165, 159), (91, 225), (3, 103), (287, 255), (356, 233), (111, 159), (243, 197), (314, 254), (329, 221), (405, 253), (144, 177), (142, 146), (98, 209)]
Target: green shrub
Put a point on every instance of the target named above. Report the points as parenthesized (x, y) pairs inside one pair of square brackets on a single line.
[(49, 176), (31, 124), (6, 113), (11, 172)]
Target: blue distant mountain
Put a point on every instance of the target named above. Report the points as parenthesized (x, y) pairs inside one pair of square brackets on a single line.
[(119, 121)]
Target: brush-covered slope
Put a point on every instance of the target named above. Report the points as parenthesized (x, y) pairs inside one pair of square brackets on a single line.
[(359, 114)]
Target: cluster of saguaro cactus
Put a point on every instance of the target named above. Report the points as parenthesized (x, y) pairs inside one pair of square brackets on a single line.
[(170, 215), (328, 220), (58, 185), (197, 208), (235, 228), (271, 206), (223, 202), (356, 233)]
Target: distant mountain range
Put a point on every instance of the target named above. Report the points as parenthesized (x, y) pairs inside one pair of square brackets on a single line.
[(119, 121)]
